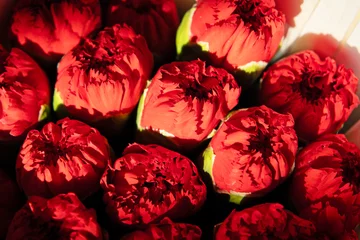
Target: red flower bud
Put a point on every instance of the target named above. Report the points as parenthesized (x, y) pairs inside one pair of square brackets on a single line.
[(166, 230), (185, 101), (156, 20), (252, 152), (62, 217), (319, 94), (24, 94), (326, 185), (265, 221), (68, 156), (48, 29), (149, 183), (10, 202), (241, 36), (100, 81)]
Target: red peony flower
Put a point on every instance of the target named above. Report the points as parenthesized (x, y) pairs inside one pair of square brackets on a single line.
[(61, 217), (241, 36), (326, 185), (319, 94), (68, 156), (47, 29), (24, 94), (166, 230), (156, 20), (149, 183), (185, 101), (101, 80), (265, 221), (252, 152), (10, 202)]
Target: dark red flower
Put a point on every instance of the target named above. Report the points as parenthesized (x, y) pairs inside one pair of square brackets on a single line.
[(10, 202), (239, 35), (156, 20), (252, 152), (265, 221), (166, 230), (185, 101), (47, 29), (326, 185), (24, 94), (149, 183), (319, 94), (61, 217), (68, 156), (101, 81)]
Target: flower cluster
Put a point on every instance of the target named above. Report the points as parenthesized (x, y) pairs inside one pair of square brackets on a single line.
[(219, 147)]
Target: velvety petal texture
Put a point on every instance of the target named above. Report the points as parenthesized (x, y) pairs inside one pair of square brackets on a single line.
[(156, 20), (150, 182), (185, 101), (166, 230), (318, 93), (265, 221), (241, 36), (61, 217), (101, 80), (10, 202), (68, 156), (252, 153), (326, 185), (47, 29), (24, 94)]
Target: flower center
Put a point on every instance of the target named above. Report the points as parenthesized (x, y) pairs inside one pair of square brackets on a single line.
[(261, 143), (93, 57), (52, 153), (308, 89), (351, 170), (252, 12), (195, 90)]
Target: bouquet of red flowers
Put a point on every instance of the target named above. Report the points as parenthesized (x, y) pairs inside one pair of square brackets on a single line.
[(123, 119)]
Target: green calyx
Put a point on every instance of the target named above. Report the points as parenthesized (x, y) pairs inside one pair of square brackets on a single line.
[(58, 105), (141, 108), (183, 32), (44, 112)]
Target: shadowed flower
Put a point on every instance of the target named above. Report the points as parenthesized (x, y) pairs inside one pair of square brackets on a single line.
[(100, 81), (10, 202), (326, 185), (252, 153), (166, 230), (156, 20), (241, 36), (24, 94), (185, 101), (265, 221), (149, 183), (319, 94), (68, 156), (47, 29), (61, 217)]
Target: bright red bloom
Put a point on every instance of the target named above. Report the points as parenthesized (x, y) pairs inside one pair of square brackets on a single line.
[(24, 94), (101, 81), (149, 183), (319, 94), (239, 35), (47, 29), (252, 152), (326, 185), (185, 101), (265, 221), (10, 202), (166, 230), (156, 20), (68, 156), (62, 217)]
